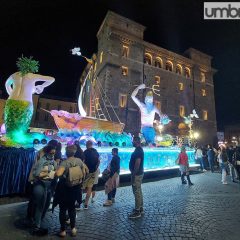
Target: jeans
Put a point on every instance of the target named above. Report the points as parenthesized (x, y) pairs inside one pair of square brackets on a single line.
[(211, 164), (137, 191), (233, 172), (42, 193), (112, 194), (70, 207), (224, 172), (201, 161)]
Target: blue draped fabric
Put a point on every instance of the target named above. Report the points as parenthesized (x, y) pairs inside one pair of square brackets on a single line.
[(15, 166)]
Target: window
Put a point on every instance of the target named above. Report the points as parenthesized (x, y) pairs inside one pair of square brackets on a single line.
[(181, 111), (187, 72), (101, 57), (205, 115), (204, 94), (46, 117), (148, 59), (203, 77), (158, 62), (158, 105), (124, 71), (97, 104), (122, 100), (125, 51), (179, 69), (70, 110), (169, 66), (59, 107), (181, 87), (157, 80)]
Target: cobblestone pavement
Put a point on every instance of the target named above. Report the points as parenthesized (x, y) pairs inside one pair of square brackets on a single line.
[(207, 210)]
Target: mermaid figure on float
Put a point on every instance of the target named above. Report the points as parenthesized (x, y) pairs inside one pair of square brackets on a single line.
[(20, 87), (148, 111)]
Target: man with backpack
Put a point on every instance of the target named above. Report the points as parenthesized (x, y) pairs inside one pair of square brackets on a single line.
[(71, 172)]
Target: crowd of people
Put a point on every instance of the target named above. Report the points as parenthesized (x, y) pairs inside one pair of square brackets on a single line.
[(53, 177)]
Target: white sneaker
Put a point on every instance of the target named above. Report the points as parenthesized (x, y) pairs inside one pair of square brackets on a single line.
[(107, 203), (225, 183), (204, 170), (74, 232), (92, 200)]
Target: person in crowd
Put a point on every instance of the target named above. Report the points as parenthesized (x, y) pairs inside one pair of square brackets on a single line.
[(223, 162), (136, 168), (231, 165), (184, 166), (236, 160), (58, 155), (79, 152), (92, 162), (113, 181), (67, 195), (211, 156), (43, 174), (199, 158), (31, 207)]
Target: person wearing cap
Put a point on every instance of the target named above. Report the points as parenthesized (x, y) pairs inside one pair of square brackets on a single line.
[(184, 166), (148, 110)]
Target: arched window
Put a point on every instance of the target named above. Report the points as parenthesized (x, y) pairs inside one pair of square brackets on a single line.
[(179, 69), (157, 80), (158, 62), (148, 59), (169, 66), (181, 87), (187, 72), (122, 100), (203, 77)]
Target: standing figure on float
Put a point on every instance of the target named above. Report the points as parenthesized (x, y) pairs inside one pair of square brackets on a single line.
[(20, 87), (148, 110)]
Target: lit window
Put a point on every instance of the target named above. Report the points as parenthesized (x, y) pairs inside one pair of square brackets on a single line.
[(181, 111), (158, 62), (101, 57), (187, 72), (203, 77), (148, 59), (95, 67), (181, 87), (158, 105), (157, 80), (122, 100), (205, 115), (169, 66), (179, 69), (204, 94), (125, 51), (124, 71)]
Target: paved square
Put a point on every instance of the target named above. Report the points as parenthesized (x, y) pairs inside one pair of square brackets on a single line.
[(207, 210)]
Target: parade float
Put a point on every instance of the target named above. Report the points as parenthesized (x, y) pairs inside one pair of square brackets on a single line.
[(98, 126)]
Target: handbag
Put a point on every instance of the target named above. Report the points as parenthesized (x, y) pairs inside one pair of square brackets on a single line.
[(105, 174)]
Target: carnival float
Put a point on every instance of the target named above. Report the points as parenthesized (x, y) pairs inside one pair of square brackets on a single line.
[(159, 148)]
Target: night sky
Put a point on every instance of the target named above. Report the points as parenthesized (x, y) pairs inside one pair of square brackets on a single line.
[(47, 30)]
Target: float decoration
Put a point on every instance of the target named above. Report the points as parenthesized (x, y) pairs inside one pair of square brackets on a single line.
[(18, 110), (148, 111)]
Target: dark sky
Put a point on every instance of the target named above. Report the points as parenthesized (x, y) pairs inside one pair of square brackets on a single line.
[(47, 30)]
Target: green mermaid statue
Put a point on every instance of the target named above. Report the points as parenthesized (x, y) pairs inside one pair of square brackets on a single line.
[(20, 87)]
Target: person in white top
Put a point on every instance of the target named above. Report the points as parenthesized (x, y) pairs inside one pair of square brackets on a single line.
[(148, 111), (199, 159)]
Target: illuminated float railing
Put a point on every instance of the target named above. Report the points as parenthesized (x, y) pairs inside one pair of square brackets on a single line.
[(154, 158)]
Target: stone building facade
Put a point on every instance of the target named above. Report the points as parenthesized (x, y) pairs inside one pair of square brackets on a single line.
[(185, 82)]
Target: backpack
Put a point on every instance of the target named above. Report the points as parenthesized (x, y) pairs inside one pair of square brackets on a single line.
[(74, 176)]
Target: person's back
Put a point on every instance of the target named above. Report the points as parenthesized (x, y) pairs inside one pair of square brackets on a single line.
[(91, 159)]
